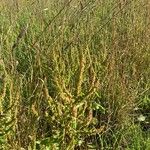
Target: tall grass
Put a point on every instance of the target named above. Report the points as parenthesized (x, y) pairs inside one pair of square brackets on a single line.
[(74, 74)]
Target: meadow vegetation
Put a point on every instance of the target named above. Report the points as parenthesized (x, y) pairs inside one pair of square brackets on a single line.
[(75, 75)]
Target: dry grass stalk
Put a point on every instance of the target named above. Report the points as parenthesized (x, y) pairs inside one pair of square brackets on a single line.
[(92, 77), (64, 96), (74, 112), (80, 77), (4, 80), (91, 91), (2, 96), (90, 117)]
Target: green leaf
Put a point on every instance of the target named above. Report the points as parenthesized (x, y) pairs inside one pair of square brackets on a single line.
[(9, 129), (97, 106), (45, 141), (9, 122)]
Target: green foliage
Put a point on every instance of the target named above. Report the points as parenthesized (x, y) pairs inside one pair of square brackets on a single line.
[(73, 73)]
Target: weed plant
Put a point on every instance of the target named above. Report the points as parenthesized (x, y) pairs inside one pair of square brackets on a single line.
[(74, 75)]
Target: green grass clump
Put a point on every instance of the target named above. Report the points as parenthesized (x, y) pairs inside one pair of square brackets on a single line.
[(74, 75)]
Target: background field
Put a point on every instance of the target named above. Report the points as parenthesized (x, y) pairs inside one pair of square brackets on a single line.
[(75, 75)]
